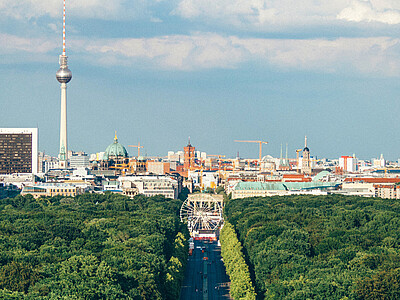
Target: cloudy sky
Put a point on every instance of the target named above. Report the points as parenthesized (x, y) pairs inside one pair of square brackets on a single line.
[(160, 71)]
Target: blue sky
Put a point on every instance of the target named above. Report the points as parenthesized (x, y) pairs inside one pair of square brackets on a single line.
[(217, 71)]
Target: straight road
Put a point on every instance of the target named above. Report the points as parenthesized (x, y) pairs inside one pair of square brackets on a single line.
[(213, 278)]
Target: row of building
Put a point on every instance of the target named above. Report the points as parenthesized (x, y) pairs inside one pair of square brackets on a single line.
[(113, 170), (19, 154), (388, 188), (126, 185)]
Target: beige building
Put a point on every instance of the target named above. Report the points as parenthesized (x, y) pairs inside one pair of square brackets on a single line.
[(51, 189), (158, 167), (129, 189), (387, 191), (149, 186), (363, 189)]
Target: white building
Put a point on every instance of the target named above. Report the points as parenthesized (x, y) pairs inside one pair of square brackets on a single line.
[(112, 186), (203, 155), (79, 161), (19, 180), (379, 162), (81, 174), (50, 165), (206, 179), (151, 185), (364, 189), (178, 156), (46, 163), (348, 163), (96, 156), (313, 161)]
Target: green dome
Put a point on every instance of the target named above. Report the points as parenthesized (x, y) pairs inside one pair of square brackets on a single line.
[(115, 150)]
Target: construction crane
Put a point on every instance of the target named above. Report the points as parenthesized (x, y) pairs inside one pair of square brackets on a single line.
[(138, 148), (260, 145), (121, 167), (297, 159)]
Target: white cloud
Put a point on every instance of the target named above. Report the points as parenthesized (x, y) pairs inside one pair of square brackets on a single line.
[(99, 9), (343, 55), (155, 20), (256, 15), (359, 11), (203, 51), (176, 52), (9, 44), (27, 9), (261, 12), (370, 56), (277, 15)]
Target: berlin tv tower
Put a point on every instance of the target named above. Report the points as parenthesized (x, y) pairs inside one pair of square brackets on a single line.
[(63, 76)]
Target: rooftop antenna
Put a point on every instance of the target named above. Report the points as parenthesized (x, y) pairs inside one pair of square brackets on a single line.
[(63, 52), (287, 161)]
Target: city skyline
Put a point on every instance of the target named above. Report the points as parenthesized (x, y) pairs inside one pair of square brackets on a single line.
[(158, 72)]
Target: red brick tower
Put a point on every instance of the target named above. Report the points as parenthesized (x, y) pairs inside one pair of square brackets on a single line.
[(189, 157)]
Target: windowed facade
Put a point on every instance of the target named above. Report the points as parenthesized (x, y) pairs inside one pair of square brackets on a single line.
[(18, 150), (47, 189)]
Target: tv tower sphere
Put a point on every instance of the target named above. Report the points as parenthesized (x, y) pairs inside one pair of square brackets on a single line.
[(63, 74)]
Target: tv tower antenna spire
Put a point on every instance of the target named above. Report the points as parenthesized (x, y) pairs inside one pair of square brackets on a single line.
[(63, 76), (63, 52)]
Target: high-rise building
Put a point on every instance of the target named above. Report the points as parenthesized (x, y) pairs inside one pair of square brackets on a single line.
[(18, 150), (348, 163), (63, 76)]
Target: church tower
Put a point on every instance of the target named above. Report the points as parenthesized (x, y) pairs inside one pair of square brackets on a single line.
[(306, 162)]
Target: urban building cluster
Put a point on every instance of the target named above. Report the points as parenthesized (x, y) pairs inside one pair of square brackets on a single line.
[(23, 168)]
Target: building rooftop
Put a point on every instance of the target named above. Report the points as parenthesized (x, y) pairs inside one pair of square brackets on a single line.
[(281, 186), (115, 150)]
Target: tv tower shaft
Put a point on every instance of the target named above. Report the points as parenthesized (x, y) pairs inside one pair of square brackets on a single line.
[(63, 75)]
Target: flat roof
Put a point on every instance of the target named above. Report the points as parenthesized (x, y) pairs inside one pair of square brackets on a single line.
[(284, 186)]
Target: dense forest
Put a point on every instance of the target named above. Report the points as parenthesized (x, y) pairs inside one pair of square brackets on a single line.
[(91, 247), (320, 247)]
